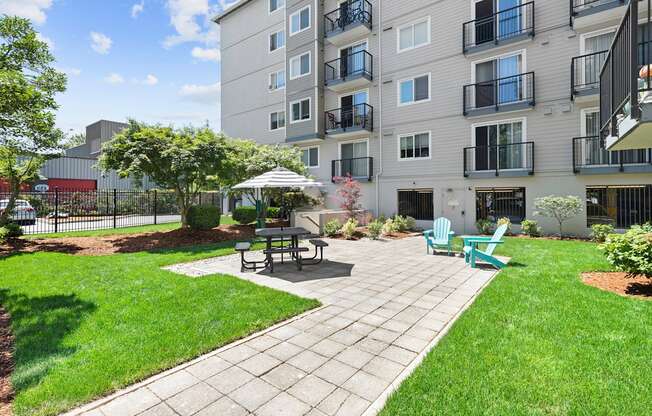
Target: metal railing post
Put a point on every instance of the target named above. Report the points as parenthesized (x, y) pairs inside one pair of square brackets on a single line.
[(56, 210), (155, 206), (115, 207), (497, 158)]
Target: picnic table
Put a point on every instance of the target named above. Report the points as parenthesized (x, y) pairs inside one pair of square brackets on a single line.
[(289, 234)]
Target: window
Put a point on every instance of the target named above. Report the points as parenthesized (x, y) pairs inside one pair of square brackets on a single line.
[(277, 80), (416, 203), (500, 146), (274, 5), (300, 65), (277, 120), (621, 206), (276, 40), (414, 146), (300, 21), (414, 90), (414, 35), (494, 203), (300, 110), (310, 157)]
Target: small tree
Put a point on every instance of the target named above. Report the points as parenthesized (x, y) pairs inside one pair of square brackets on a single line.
[(181, 160), (28, 86), (349, 193), (561, 208)]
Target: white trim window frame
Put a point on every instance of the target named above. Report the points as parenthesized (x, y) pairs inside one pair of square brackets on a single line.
[(298, 58), (280, 5), (414, 92), (274, 80), (308, 149), (300, 102), (412, 25), (269, 41), (278, 123), (522, 70), (414, 148), (298, 14), (497, 123)]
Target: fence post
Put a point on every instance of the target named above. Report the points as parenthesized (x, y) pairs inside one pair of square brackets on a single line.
[(115, 207), (155, 206), (56, 210)]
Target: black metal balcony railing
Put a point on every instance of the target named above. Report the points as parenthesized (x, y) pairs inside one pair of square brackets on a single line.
[(359, 116), (358, 168), (500, 26), (349, 13), (353, 65), (499, 92), (579, 6), (626, 77), (589, 152), (499, 158), (585, 72)]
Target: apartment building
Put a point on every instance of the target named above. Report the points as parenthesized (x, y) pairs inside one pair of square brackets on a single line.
[(468, 109)]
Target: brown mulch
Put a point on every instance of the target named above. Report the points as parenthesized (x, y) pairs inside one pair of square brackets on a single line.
[(6, 364), (129, 243), (618, 282)]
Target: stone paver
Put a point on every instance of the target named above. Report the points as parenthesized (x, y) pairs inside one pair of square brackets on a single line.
[(385, 305)]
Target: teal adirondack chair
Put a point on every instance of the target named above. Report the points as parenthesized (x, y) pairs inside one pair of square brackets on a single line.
[(440, 235), (472, 252)]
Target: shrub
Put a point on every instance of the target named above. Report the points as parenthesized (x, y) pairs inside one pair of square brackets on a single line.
[(10, 230), (631, 252), (599, 232), (349, 192), (531, 228), (411, 223), (400, 223), (375, 229), (332, 228), (484, 226), (274, 212), (561, 208), (349, 228), (203, 217), (506, 221), (389, 226), (244, 215)]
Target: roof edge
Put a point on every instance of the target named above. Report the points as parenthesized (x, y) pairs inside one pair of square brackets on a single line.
[(217, 19)]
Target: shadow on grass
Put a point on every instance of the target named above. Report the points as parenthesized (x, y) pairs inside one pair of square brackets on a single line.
[(39, 326)]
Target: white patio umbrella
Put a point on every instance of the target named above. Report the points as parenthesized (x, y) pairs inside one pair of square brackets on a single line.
[(277, 178)]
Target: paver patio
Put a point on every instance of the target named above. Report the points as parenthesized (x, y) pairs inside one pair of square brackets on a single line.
[(386, 304)]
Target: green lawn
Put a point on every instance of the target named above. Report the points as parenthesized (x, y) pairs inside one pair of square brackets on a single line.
[(226, 219), (85, 326), (537, 341)]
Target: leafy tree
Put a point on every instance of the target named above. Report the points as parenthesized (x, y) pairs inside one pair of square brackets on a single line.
[(349, 193), (561, 208), (28, 86), (74, 140), (246, 159), (179, 159)]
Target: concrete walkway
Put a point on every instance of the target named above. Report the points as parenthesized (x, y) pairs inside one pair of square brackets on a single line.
[(386, 304)]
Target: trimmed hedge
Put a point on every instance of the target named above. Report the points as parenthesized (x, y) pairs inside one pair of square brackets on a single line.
[(203, 217), (244, 215)]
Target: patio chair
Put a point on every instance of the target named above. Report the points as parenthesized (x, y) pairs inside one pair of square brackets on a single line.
[(472, 252), (440, 236)]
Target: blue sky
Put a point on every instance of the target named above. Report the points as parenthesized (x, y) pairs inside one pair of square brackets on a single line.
[(152, 60)]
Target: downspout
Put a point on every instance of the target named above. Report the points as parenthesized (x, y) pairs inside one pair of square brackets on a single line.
[(380, 105)]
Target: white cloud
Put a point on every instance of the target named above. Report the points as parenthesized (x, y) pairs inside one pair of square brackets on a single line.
[(150, 80), (101, 43), (114, 78), (206, 54), (137, 9), (71, 72), (48, 41), (201, 94), (30, 9)]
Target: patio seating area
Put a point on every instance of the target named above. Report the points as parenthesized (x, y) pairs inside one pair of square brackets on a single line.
[(385, 305)]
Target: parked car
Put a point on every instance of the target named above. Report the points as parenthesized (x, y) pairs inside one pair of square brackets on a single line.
[(23, 213)]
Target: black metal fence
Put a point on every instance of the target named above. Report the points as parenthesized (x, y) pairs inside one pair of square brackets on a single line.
[(495, 203), (353, 65), (499, 158), (65, 210), (589, 152), (500, 92), (500, 26), (620, 206), (349, 13)]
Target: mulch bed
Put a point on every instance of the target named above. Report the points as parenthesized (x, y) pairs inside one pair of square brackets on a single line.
[(6, 364), (618, 282), (129, 243), (361, 232)]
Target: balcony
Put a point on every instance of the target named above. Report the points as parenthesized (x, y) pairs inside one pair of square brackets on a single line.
[(499, 95), (585, 74), (626, 86), (590, 157), (508, 160), (360, 168), (352, 121), (506, 26), (351, 21), (585, 13), (348, 73)]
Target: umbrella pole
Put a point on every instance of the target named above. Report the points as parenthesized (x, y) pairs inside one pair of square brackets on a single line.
[(260, 222)]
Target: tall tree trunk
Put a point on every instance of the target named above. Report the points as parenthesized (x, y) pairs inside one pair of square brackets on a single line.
[(14, 191)]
